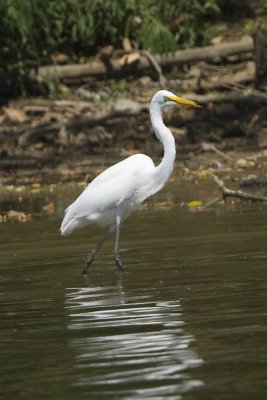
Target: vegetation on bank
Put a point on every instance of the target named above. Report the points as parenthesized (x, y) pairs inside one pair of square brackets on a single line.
[(32, 31)]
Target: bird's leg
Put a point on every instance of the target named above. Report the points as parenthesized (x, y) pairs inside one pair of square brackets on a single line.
[(91, 255), (117, 252)]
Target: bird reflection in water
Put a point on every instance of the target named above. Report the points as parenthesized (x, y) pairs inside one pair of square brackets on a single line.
[(129, 346)]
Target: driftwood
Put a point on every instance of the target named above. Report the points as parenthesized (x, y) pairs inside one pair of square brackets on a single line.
[(98, 68), (236, 193)]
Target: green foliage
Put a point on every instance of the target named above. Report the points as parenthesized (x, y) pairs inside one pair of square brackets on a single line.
[(32, 30)]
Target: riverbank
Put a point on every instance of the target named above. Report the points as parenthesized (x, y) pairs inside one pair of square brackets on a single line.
[(192, 185)]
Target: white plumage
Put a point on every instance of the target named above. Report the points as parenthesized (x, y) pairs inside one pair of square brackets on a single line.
[(115, 187), (119, 190)]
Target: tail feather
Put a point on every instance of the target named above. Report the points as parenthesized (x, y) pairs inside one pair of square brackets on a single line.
[(69, 223), (72, 221), (68, 226)]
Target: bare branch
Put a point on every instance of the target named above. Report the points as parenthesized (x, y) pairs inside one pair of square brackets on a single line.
[(236, 193)]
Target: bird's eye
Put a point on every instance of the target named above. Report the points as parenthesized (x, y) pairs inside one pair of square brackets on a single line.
[(165, 99)]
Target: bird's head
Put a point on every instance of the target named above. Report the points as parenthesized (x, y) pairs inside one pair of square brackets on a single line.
[(165, 98)]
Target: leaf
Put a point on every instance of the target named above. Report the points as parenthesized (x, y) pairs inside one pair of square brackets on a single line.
[(15, 115), (126, 44), (194, 204), (49, 208), (18, 216), (128, 59)]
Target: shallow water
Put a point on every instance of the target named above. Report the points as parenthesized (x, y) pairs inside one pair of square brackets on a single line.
[(186, 320)]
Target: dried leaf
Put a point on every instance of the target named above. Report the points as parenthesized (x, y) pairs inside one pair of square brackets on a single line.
[(60, 58), (3, 219), (49, 117), (129, 59), (163, 204), (133, 57), (243, 163), (126, 44), (49, 208), (18, 216), (15, 115), (35, 186), (158, 205), (217, 40)]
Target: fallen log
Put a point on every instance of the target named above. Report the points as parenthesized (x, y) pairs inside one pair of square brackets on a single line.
[(98, 68)]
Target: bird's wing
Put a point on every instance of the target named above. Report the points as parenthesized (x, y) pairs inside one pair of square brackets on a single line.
[(117, 183), (130, 165), (106, 193)]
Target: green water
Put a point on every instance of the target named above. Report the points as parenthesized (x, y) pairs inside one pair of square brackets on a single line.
[(186, 320)]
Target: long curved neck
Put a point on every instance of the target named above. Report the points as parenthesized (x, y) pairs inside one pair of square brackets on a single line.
[(164, 135)]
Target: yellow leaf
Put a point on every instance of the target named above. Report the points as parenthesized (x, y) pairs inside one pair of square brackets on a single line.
[(194, 204)]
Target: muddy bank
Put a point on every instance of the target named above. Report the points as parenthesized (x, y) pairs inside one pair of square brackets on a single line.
[(54, 152), (89, 126), (192, 186)]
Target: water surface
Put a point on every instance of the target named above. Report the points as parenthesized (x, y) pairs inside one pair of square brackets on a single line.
[(186, 320)]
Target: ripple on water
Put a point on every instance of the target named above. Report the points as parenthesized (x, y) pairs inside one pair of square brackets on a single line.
[(129, 346)]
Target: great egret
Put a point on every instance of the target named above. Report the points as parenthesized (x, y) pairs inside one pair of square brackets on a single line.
[(119, 190)]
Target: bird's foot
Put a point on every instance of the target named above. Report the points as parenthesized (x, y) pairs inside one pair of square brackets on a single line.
[(118, 262), (85, 269), (88, 262)]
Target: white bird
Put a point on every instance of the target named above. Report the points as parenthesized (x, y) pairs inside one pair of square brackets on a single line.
[(118, 191)]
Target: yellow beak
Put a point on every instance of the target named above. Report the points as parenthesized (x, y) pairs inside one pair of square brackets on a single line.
[(184, 102)]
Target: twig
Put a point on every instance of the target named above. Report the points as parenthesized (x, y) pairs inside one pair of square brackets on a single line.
[(246, 90), (209, 203), (156, 66), (235, 81), (236, 193), (211, 147)]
